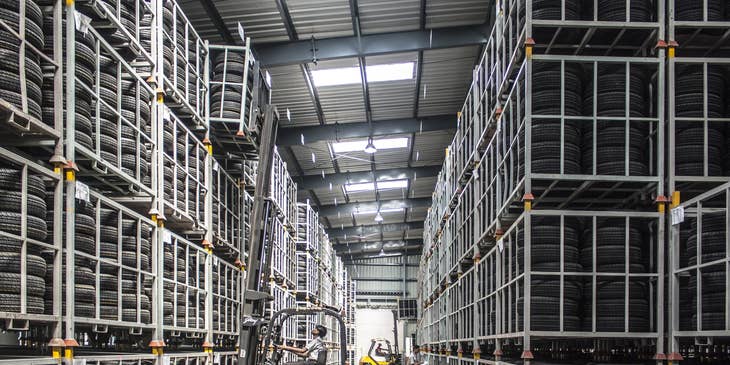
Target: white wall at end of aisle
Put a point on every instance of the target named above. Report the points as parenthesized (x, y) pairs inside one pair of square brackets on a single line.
[(373, 323)]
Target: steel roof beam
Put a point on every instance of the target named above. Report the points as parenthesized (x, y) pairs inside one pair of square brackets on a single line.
[(376, 229), (289, 136), (417, 241), (300, 51), (307, 182), (350, 208)]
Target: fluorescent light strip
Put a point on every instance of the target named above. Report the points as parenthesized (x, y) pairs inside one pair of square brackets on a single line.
[(380, 144), (375, 73), (382, 211), (382, 185)]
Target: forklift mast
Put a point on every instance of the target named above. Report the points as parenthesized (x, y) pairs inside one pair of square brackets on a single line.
[(255, 290)]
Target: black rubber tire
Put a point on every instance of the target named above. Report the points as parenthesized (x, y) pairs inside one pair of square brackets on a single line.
[(552, 9), (10, 179), (33, 29), (611, 10), (10, 222), (10, 263), (691, 10), (84, 276), (10, 201), (35, 285), (11, 303)]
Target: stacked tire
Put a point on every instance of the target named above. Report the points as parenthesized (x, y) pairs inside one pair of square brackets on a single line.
[(226, 102), (546, 142), (84, 267), (714, 286), (611, 10), (610, 256), (610, 306), (132, 102), (552, 9), (10, 46), (611, 248), (10, 248), (85, 66), (110, 236), (693, 10), (545, 247), (690, 137), (611, 138)]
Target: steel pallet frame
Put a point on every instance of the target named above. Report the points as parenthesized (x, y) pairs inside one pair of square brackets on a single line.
[(239, 130), (686, 265), (17, 177), (229, 213), (689, 186), (703, 37)]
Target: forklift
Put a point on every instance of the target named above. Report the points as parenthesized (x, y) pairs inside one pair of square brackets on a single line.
[(381, 352), (260, 336)]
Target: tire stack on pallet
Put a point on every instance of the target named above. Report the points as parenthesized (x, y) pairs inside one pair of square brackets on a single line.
[(238, 90), (698, 80), (564, 173)]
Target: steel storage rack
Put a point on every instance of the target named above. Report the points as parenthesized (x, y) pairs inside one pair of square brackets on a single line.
[(150, 239), (549, 206)]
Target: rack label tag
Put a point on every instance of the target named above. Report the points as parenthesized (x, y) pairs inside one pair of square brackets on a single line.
[(167, 237), (165, 360), (500, 244), (82, 191), (241, 32), (82, 22), (677, 215)]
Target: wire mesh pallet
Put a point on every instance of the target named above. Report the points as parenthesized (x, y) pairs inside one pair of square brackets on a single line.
[(698, 260), (238, 89)]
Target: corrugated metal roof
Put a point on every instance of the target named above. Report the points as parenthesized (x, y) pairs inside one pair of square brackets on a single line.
[(447, 74), (290, 91), (430, 147), (261, 19), (343, 104), (381, 16), (321, 18), (422, 187), (322, 160), (450, 13)]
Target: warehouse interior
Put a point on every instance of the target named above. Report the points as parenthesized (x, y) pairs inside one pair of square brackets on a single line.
[(512, 182)]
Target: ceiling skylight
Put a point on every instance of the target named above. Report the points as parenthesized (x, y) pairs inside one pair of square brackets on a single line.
[(380, 144), (382, 185), (351, 75)]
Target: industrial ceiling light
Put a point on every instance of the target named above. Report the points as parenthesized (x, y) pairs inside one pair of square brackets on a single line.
[(378, 217), (380, 144), (370, 147)]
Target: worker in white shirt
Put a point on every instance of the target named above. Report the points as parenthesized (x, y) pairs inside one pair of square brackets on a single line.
[(311, 352)]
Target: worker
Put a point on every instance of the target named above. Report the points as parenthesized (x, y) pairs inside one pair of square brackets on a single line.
[(415, 358), (312, 350), (379, 351)]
